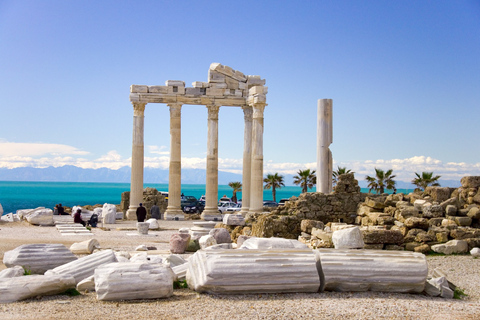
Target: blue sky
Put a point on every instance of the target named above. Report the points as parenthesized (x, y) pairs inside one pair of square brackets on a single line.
[(404, 77)]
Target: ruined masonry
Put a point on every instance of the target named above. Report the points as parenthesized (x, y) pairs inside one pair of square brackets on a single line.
[(225, 87)]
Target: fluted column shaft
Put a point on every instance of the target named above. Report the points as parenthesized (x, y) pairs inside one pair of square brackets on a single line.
[(247, 159), (136, 177), (256, 184), (324, 139), (211, 195), (175, 168)]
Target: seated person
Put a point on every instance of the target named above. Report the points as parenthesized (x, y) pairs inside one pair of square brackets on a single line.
[(77, 217), (93, 221), (60, 209)]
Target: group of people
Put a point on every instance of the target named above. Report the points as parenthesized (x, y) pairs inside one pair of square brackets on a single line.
[(142, 212), (59, 210)]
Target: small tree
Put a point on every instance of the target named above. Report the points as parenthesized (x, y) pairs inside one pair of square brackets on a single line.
[(382, 180), (237, 187), (425, 180), (273, 181), (339, 172), (305, 179)]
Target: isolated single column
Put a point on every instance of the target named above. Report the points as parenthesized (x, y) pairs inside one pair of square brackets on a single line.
[(136, 178), (324, 139), (247, 159), (174, 210), (256, 183)]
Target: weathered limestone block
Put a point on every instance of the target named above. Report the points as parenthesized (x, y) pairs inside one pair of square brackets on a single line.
[(383, 236), (221, 235), (372, 270), (463, 221), (21, 288), (233, 219), (473, 243), (475, 252), (470, 182), (439, 194), (16, 271), (464, 233), (241, 239), (272, 243), (254, 271), (180, 271), (109, 213), (206, 241), (433, 211), (474, 213), (350, 238), (412, 234), (418, 223), (420, 203), (85, 247), (87, 284), (42, 217), (142, 227), (221, 246), (452, 246), (450, 210), (307, 225), (179, 242), (128, 281), (406, 212), (85, 266), (38, 258)]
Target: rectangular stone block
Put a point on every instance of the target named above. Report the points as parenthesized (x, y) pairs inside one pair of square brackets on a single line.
[(214, 76), (158, 89), (200, 84), (195, 91), (176, 90), (255, 81), (258, 90), (177, 83), (242, 85), (215, 92), (135, 88), (258, 98), (220, 85)]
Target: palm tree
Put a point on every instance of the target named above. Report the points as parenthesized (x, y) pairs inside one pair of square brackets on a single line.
[(425, 180), (237, 187), (339, 172), (274, 181), (305, 179), (382, 180)]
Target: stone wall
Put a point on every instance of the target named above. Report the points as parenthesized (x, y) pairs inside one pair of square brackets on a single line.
[(151, 196)]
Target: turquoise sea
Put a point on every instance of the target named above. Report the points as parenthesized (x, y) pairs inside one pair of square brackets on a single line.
[(15, 195)]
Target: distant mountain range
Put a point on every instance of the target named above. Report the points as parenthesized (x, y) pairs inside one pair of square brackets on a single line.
[(122, 175)]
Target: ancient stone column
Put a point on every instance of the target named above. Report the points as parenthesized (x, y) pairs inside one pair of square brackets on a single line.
[(324, 139), (247, 159), (211, 196), (256, 183), (174, 210), (136, 178)]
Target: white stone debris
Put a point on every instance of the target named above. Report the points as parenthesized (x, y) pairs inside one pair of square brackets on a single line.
[(87, 284), (41, 217), (207, 241), (254, 271), (272, 243), (99, 213), (16, 271), (109, 213), (201, 228), (373, 270), (38, 258), (144, 257), (141, 247), (438, 287), (452, 246), (1, 209), (128, 281), (180, 271), (233, 219), (142, 227), (84, 267), (24, 212), (153, 224), (348, 238), (475, 252), (10, 217), (21, 288), (173, 260), (85, 247)]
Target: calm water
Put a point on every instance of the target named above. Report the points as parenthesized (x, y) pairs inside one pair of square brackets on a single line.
[(15, 195)]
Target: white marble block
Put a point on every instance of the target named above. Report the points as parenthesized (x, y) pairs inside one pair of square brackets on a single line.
[(42, 217), (253, 271), (233, 219), (207, 241), (153, 224), (87, 284), (142, 227), (109, 213), (452, 246), (16, 271), (128, 281), (38, 258), (85, 266), (373, 270), (349, 238), (272, 243), (85, 247), (21, 288)]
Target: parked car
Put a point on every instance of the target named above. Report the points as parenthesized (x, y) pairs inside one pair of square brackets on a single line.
[(224, 206), (282, 201), (235, 208), (224, 199), (190, 204), (270, 204)]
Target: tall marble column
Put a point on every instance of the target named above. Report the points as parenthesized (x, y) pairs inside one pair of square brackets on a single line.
[(324, 139), (211, 196), (174, 210), (247, 159), (136, 177), (256, 183)]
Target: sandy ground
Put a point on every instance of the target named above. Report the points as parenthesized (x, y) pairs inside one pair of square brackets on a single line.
[(464, 271)]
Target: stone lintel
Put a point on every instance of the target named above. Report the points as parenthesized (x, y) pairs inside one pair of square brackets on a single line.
[(232, 100)]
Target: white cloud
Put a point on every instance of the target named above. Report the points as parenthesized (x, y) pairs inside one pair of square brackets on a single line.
[(161, 150), (20, 149)]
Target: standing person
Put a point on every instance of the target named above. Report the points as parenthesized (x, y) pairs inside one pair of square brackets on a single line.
[(141, 213), (155, 211), (77, 217)]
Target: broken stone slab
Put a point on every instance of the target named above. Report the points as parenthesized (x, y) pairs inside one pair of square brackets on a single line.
[(10, 217), (144, 257), (38, 258), (85, 247), (221, 235), (452, 246), (179, 242), (21, 288), (222, 246), (470, 182), (173, 260), (84, 267), (373, 270), (442, 288), (41, 217), (180, 271), (254, 271), (272, 243), (22, 214), (142, 227), (109, 213), (87, 284), (206, 241), (233, 219), (15, 271), (129, 281), (349, 238)]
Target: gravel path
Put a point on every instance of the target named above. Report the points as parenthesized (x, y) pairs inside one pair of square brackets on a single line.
[(464, 271)]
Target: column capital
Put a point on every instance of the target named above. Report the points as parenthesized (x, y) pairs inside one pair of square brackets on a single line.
[(247, 112), (175, 109), (258, 109), (138, 109), (213, 112)]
